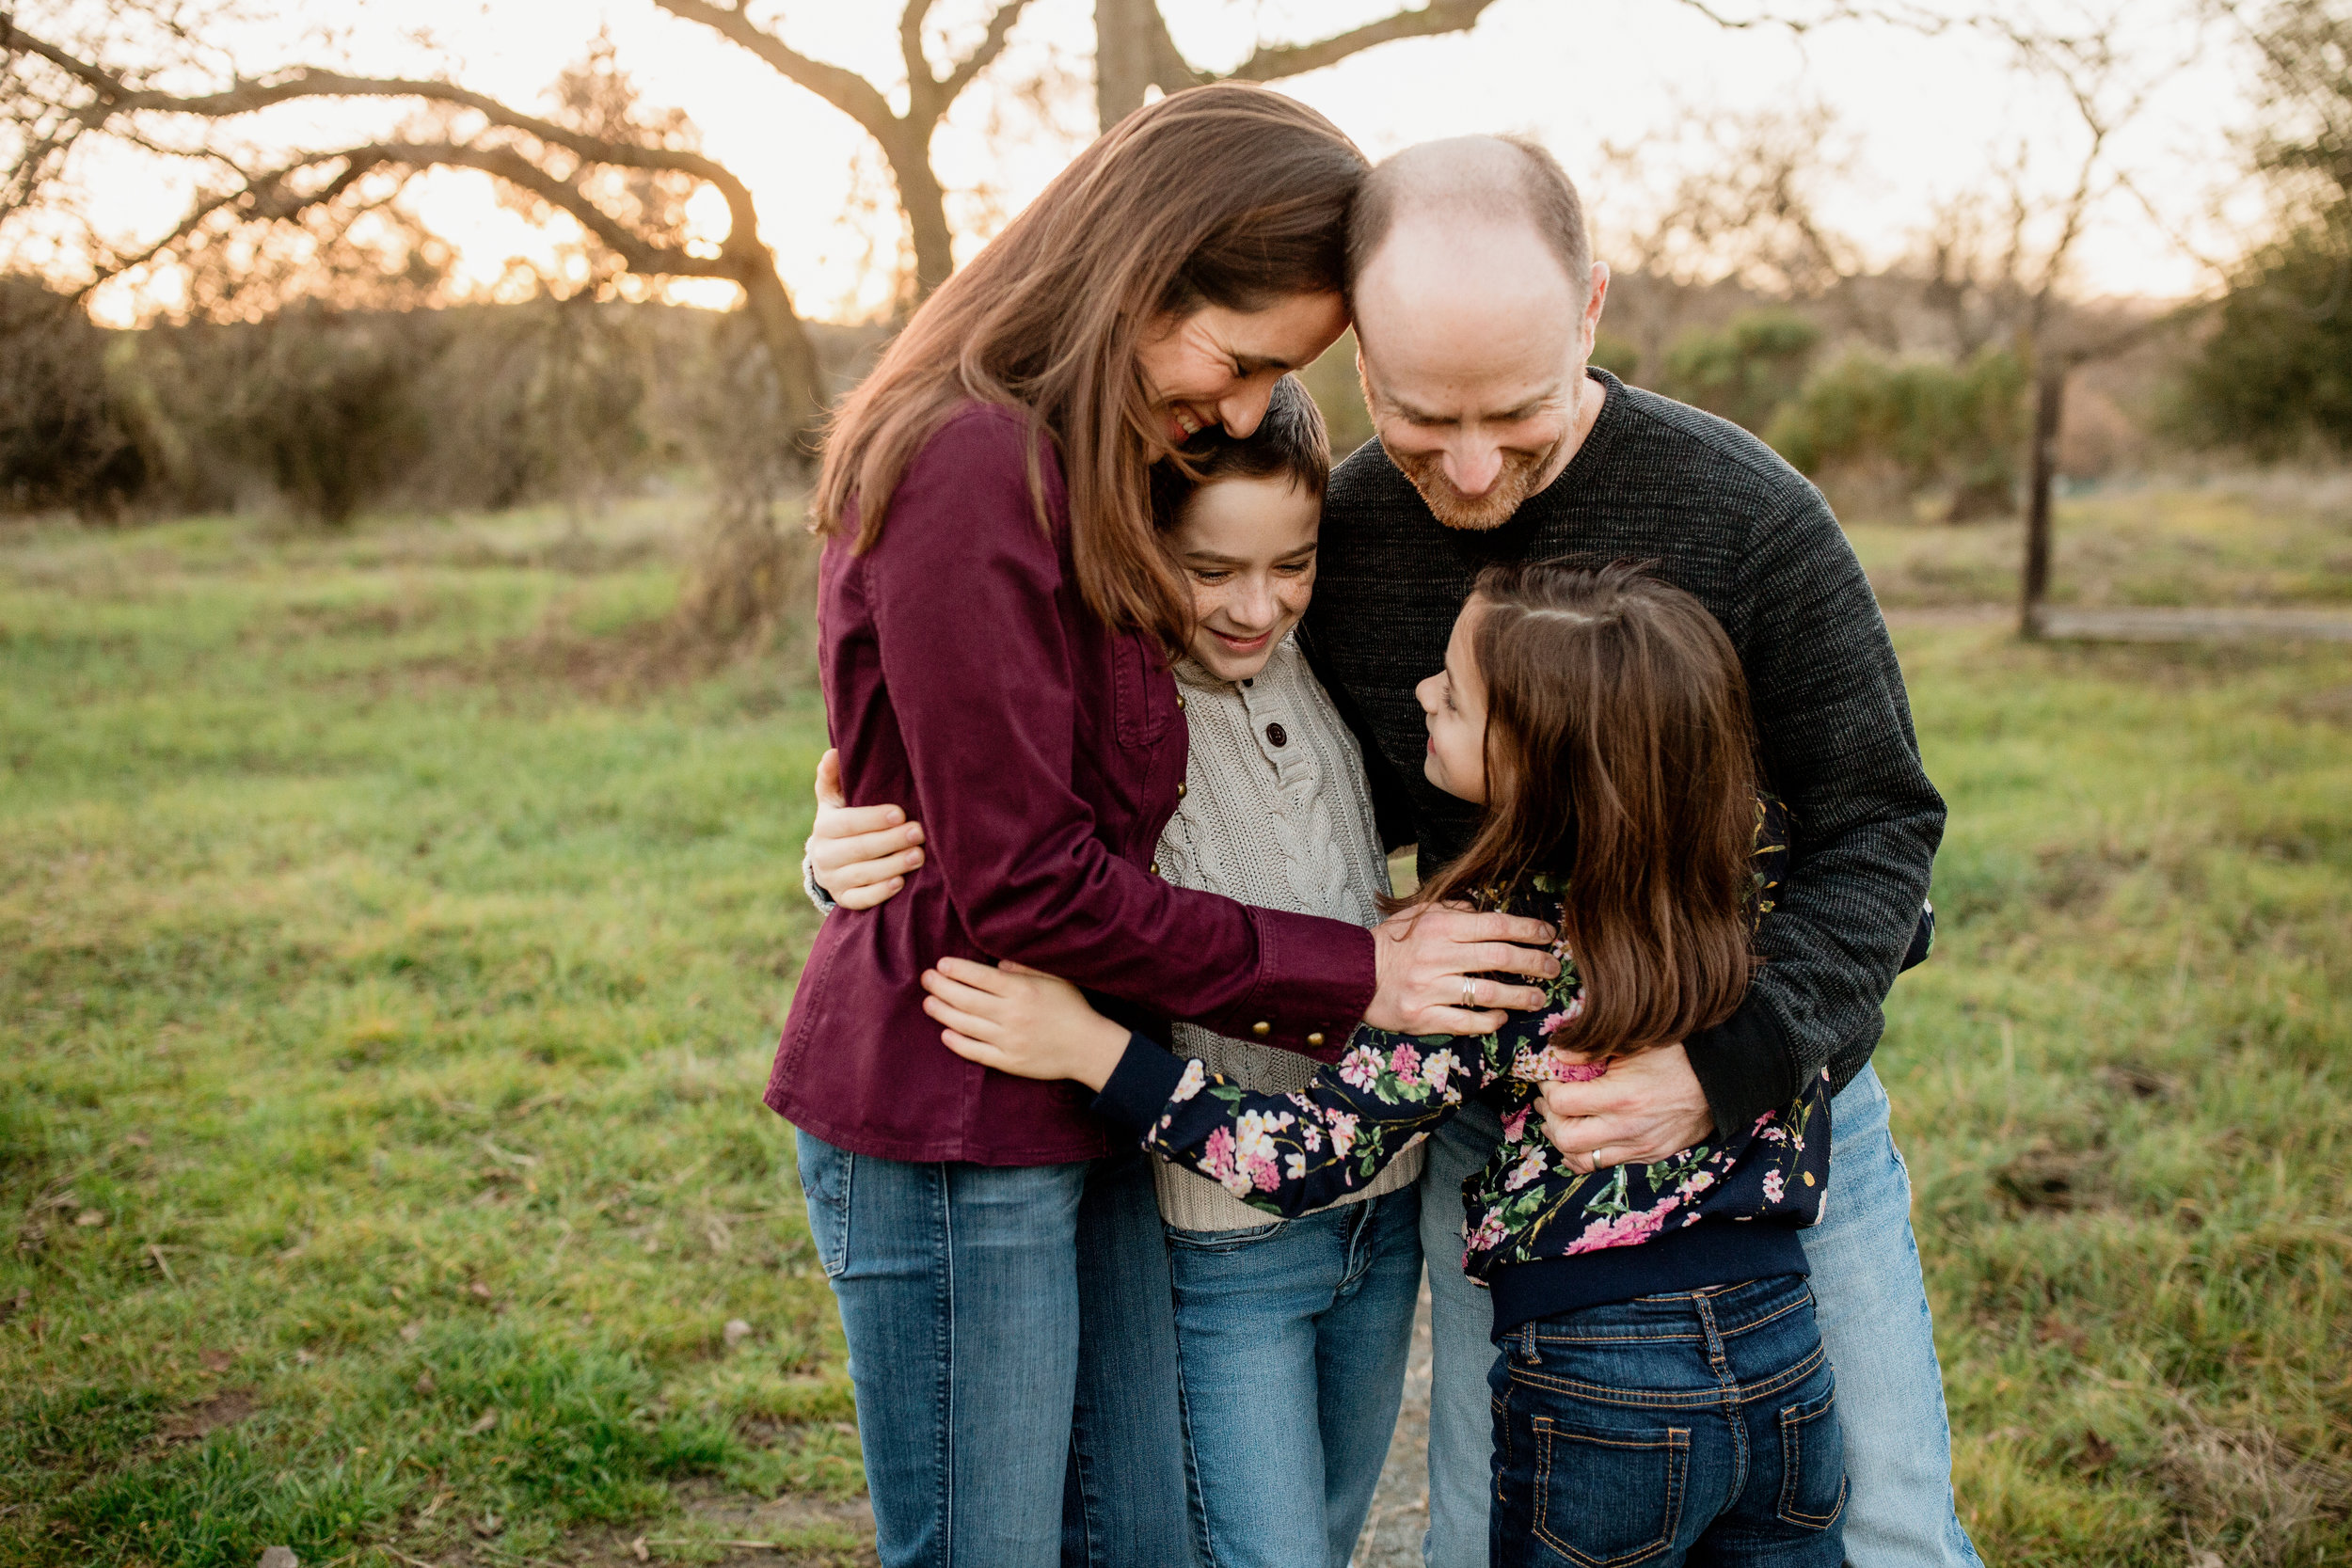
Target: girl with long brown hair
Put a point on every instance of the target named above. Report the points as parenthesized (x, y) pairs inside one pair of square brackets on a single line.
[(1662, 1390), (998, 616)]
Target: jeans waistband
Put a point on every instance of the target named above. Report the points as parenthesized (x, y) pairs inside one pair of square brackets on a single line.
[(1736, 1309)]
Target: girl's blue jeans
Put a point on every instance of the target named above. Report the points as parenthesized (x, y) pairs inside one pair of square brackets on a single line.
[(1872, 1308), (1013, 1354), (1643, 1434), (1293, 1339)]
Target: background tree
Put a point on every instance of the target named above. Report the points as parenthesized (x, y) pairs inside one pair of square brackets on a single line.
[(624, 174), (2275, 374)]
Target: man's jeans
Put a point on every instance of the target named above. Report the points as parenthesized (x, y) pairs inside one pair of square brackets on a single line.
[(1696, 1426), (1293, 1339), (1869, 1300), (1014, 1357)]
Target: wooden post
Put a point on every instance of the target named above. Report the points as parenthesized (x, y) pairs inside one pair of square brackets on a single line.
[(2049, 401)]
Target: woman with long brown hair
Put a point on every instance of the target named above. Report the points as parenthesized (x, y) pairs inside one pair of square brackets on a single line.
[(998, 618)]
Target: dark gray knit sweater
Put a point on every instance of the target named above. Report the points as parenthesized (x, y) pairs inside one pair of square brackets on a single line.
[(1721, 515)]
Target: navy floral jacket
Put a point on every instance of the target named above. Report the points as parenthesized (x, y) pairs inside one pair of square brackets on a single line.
[(1289, 1153)]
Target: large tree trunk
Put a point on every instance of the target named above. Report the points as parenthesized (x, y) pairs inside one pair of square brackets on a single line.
[(926, 207), (1133, 53), (785, 338)]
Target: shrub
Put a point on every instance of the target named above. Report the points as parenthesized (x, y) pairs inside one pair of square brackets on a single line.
[(2277, 372), (321, 404), (68, 436), (1746, 371), (1909, 426)]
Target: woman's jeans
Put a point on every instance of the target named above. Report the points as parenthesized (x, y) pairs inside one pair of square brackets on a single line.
[(1871, 1306), (1014, 1358), (1649, 1432), (1293, 1339)]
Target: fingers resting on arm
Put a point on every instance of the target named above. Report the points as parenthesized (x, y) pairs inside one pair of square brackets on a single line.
[(1645, 1108), (1424, 958), (1020, 1021), (860, 855)]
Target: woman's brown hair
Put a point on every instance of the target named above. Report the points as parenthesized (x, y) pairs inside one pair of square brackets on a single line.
[(1226, 195), (1620, 759)]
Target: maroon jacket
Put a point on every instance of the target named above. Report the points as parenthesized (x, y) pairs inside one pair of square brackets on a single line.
[(965, 678)]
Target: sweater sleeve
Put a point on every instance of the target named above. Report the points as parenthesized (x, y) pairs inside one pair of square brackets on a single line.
[(1834, 725), (964, 586)]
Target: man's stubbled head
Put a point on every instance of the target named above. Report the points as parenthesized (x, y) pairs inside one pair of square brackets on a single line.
[(1477, 298)]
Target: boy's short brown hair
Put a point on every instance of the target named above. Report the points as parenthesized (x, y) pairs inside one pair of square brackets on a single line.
[(1290, 441)]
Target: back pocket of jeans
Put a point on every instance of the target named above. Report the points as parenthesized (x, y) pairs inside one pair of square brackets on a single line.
[(1609, 1498), (825, 1175), (1812, 1464)]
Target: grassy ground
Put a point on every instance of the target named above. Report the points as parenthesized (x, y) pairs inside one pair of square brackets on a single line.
[(389, 959), (2244, 540)]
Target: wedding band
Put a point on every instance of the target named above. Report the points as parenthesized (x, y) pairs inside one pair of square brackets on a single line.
[(1595, 1156), (1469, 993)]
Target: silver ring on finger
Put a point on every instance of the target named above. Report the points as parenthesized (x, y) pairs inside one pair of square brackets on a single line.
[(1469, 993), (1597, 1161)]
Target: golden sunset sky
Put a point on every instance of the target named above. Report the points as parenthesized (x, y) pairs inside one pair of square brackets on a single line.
[(1916, 118)]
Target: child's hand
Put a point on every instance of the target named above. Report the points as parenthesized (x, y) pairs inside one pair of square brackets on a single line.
[(1018, 1021)]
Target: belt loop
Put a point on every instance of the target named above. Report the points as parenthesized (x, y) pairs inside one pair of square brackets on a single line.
[(1527, 1344), (1717, 1358)]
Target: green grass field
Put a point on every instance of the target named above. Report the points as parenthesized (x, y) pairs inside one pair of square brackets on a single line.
[(390, 958)]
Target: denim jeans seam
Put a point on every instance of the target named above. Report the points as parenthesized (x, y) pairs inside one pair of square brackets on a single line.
[(944, 1316), (1196, 1502), (1748, 1326), (1697, 1399), (1751, 1392)]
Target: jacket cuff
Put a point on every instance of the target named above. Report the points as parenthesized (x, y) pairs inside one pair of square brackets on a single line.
[(1744, 1065), (1136, 1093), (1316, 979), (816, 896)]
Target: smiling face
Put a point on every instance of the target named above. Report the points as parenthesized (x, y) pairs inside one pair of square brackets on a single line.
[(1217, 366), (1473, 346), (1453, 708), (1247, 546)]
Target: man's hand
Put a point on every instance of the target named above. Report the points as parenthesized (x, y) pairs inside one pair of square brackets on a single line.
[(860, 855), (1646, 1106), (1423, 958)]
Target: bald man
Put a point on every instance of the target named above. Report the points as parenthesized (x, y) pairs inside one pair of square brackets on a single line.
[(1476, 299)]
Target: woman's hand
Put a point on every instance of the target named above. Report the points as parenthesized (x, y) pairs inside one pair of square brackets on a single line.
[(1017, 1021), (1426, 961), (860, 855)]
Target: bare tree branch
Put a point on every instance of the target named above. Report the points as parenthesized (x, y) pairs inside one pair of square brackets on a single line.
[(1272, 62), (511, 147), (983, 55), (1918, 18), (838, 86)]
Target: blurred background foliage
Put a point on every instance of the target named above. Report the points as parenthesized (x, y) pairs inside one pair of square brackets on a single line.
[(322, 366)]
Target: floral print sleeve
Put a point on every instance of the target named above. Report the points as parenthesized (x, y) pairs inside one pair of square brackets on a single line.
[(1289, 1153)]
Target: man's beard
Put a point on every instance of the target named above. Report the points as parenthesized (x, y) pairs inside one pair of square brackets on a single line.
[(1475, 514)]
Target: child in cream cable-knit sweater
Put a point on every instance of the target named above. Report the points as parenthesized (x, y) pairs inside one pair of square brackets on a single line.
[(1276, 811)]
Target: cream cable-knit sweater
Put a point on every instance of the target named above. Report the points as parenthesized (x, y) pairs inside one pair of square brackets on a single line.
[(1274, 813)]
